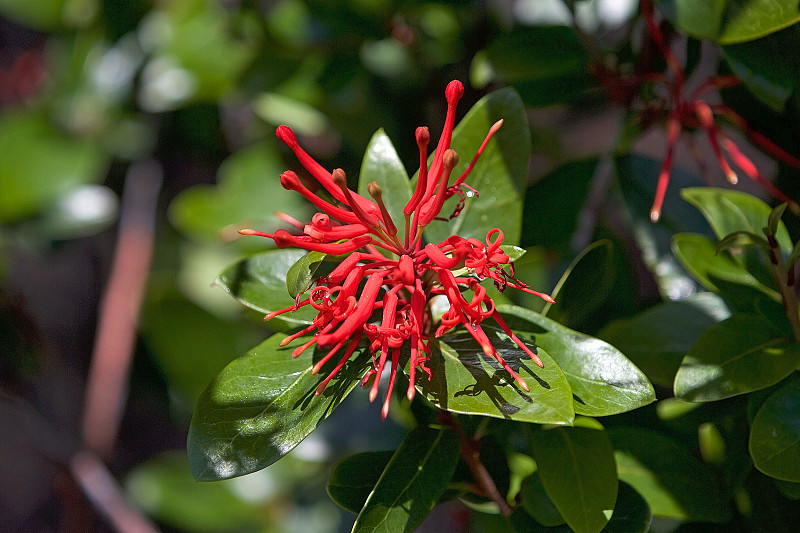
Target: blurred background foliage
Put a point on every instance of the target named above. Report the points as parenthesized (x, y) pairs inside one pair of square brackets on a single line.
[(91, 88)]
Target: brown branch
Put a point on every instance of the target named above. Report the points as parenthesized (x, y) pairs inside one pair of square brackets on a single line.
[(471, 453), (102, 490), (116, 331)]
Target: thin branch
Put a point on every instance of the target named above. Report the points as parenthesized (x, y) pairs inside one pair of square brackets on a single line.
[(106, 389), (471, 453), (102, 490)]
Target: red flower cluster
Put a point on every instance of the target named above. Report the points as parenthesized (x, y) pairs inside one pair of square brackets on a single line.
[(691, 111), (402, 275)]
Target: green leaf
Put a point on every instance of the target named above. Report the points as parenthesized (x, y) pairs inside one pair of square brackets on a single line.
[(261, 406), (754, 63), (584, 286), (775, 433), (577, 468), (546, 64), (513, 252), (631, 513), (259, 282), (535, 500), (741, 354), (673, 481), (382, 165), (658, 339), (248, 194), (698, 255), (465, 380), (729, 211), (303, 272), (500, 175), (740, 239), (412, 482), (353, 478), (602, 380), (38, 164), (567, 187), (730, 21)]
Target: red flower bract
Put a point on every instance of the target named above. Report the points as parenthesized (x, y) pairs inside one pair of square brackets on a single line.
[(391, 308)]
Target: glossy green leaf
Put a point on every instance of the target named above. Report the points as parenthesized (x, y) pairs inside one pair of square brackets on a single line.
[(382, 165), (261, 406), (165, 489), (465, 380), (631, 513), (741, 354), (500, 175), (513, 252), (412, 482), (259, 282), (38, 164), (248, 195), (668, 475), (729, 211), (546, 64), (730, 21), (775, 433), (698, 255), (657, 340), (602, 380), (577, 468), (303, 272), (352, 479), (772, 82)]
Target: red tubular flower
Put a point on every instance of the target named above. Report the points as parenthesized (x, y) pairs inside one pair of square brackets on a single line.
[(402, 283)]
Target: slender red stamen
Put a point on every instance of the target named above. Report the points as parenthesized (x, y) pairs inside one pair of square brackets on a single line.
[(673, 131), (496, 126)]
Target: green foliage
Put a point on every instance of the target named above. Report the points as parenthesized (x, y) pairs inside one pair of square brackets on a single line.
[(409, 487), (731, 21), (577, 469), (260, 407), (684, 333)]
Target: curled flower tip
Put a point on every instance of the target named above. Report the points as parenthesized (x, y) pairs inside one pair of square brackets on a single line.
[(496, 126), (286, 135), (454, 92)]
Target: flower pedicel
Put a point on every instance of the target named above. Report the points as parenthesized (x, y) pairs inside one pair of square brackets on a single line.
[(399, 284)]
